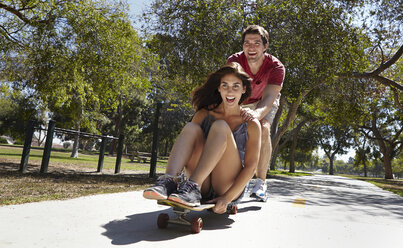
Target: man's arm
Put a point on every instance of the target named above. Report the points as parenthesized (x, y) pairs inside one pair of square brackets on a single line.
[(270, 94)]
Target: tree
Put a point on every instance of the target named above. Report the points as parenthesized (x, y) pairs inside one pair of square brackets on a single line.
[(382, 22), (333, 140), (16, 108), (362, 153), (382, 123), (193, 38), (85, 61)]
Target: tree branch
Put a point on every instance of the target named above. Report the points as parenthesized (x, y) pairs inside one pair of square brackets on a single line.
[(21, 16), (396, 98), (390, 62), (15, 12), (375, 74)]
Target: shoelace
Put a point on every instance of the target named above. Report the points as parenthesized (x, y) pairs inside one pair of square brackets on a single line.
[(186, 186), (163, 180)]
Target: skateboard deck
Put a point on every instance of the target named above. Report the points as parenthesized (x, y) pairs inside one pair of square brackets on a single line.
[(181, 211), (182, 206)]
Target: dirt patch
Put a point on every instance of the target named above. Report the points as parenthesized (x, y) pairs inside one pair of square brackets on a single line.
[(63, 181)]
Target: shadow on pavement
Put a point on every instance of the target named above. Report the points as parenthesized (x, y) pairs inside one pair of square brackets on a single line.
[(143, 227), (338, 191)]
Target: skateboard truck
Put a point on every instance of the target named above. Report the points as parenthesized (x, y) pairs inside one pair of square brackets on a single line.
[(196, 224)]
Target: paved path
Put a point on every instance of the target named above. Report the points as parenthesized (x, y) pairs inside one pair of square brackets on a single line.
[(312, 212)]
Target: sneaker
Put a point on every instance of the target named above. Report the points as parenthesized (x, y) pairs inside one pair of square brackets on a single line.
[(188, 194), (260, 189), (164, 186)]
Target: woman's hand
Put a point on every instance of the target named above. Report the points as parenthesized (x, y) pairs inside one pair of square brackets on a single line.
[(221, 204)]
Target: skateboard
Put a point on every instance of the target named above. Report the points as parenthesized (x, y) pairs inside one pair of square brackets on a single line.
[(180, 210)]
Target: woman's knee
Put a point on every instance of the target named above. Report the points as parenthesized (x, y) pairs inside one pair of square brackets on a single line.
[(220, 126), (193, 128)]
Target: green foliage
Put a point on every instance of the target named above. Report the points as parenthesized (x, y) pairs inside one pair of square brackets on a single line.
[(193, 38), (16, 109), (79, 58)]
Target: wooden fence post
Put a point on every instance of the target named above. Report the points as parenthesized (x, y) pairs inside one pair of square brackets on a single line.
[(48, 147), (154, 151), (119, 154), (101, 154), (29, 133)]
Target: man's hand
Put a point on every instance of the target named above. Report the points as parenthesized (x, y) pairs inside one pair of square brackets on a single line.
[(247, 114)]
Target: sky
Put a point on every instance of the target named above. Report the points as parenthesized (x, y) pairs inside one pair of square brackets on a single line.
[(137, 7)]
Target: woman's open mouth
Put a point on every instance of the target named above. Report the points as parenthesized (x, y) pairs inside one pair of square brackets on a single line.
[(230, 99)]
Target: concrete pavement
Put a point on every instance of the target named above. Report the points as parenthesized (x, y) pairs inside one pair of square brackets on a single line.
[(315, 211)]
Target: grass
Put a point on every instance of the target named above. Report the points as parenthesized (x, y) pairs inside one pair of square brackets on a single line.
[(273, 173), (75, 177), (392, 185), (67, 177), (18, 188), (88, 161)]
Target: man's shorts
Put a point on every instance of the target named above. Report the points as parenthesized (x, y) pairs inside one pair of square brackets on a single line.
[(272, 113)]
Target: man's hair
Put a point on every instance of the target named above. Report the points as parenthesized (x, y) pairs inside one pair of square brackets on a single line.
[(256, 29)]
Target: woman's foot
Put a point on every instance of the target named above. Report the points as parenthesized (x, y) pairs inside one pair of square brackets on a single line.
[(164, 187), (188, 194)]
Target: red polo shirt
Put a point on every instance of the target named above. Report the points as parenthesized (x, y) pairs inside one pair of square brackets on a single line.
[(271, 72)]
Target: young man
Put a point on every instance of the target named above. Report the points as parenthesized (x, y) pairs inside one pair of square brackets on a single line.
[(267, 73)]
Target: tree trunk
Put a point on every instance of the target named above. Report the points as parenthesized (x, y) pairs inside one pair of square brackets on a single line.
[(74, 152), (387, 163), (386, 149), (273, 160), (291, 115), (365, 168), (166, 147), (273, 131), (113, 145), (292, 152), (331, 170)]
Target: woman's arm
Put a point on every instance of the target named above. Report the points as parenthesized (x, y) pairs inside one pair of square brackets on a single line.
[(199, 116)]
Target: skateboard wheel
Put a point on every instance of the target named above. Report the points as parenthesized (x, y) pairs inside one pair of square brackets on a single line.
[(162, 221), (234, 209), (196, 225)]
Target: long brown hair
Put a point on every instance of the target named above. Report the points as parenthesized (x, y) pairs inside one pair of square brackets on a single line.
[(207, 96)]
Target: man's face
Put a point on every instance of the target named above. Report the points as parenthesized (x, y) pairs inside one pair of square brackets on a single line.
[(253, 47)]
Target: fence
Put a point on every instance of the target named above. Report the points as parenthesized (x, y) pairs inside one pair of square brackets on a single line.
[(49, 141)]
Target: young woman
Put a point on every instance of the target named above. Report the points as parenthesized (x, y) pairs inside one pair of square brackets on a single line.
[(217, 150)]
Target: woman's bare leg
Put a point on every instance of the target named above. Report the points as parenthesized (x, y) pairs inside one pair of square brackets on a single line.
[(186, 150), (220, 158)]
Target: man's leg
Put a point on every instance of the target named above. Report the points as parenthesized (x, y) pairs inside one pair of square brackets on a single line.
[(265, 151), (260, 187)]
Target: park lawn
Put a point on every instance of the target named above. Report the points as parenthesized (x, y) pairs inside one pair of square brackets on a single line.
[(18, 188), (287, 173), (392, 185), (67, 177), (89, 161)]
